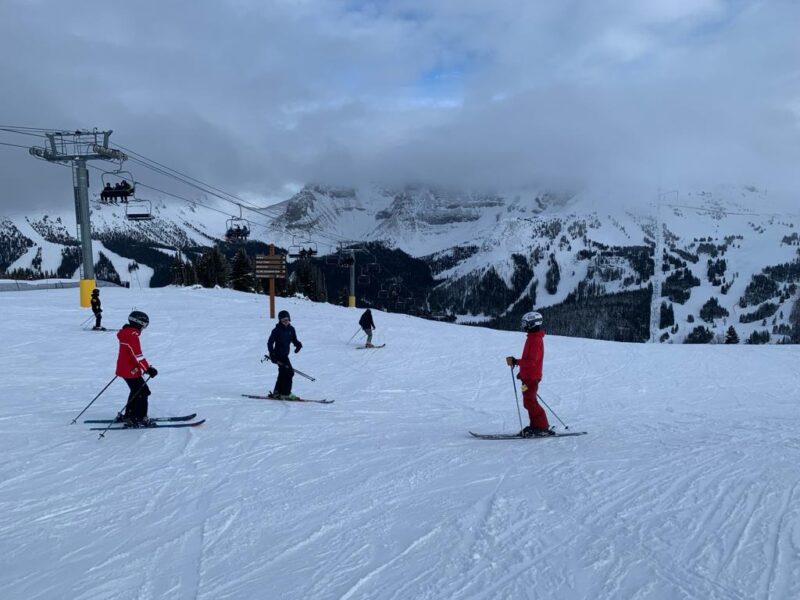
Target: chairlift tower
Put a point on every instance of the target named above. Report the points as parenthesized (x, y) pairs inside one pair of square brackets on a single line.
[(351, 253), (77, 147)]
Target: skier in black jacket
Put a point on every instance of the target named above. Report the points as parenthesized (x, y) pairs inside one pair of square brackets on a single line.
[(368, 325), (278, 347), (98, 312)]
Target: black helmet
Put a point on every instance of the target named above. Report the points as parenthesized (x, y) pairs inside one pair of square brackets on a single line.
[(95, 291), (531, 321), (284, 314), (139, 319)]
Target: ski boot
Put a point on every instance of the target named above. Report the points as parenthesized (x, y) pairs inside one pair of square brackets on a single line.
[(542, 432)]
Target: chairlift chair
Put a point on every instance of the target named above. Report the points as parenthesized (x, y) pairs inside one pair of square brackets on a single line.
[(117, 185), (346, 260), (237, 230), (302, 249), (139, 210)]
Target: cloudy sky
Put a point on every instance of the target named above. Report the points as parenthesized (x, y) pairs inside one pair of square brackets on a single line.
[(260, 96)]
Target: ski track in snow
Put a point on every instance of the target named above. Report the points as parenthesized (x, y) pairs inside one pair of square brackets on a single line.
[(685, 487)]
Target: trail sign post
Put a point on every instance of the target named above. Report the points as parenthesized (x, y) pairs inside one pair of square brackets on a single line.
[(271, 266)]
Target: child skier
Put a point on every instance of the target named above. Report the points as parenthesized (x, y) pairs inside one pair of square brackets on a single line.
[(278, 348), (530, 373), (98, 312), (132, 366), (368, 325)]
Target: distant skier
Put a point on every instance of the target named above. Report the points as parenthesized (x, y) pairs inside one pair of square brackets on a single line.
[(530, 373), (132, 366), (278, 348), (97, 310), (368, 325)]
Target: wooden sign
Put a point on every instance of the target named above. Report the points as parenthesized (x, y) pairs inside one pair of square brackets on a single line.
[(270, 266)]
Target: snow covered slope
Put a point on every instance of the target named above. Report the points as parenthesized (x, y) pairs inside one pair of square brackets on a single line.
[(686, 486)]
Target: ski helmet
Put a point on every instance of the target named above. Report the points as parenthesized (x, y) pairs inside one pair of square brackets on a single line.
[(139, 319), (95, 291), (531, 320), (284, 314)]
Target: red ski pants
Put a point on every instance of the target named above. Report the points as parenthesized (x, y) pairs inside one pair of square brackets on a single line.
[(536, 413)]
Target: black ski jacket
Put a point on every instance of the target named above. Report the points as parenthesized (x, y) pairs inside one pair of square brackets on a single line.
[(279, 340), (366, 321)]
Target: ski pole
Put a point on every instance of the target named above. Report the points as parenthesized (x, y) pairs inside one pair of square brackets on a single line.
[(103, 433), (87, 320), (280, 364), (552, 411), (354, 335), (516, 397), (309, 377), (93, 399)]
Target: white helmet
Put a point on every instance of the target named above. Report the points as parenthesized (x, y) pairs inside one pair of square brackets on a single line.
[(531, 320)]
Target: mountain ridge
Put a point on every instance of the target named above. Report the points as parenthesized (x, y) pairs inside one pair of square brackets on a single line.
[(492, 255)]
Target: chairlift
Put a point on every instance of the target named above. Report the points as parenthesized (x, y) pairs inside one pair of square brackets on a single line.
[(139, 210), (117, 185), (363, 279), (237, 230), (383, 293), (303, 248), (373, 267), (346, 260), (332, 259)]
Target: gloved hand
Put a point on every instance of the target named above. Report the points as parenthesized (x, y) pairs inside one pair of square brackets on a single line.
[(273, 358), (511, 361), (152, 372), (297, 347)]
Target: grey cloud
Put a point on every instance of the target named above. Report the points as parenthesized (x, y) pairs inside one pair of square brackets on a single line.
[(251, 96)]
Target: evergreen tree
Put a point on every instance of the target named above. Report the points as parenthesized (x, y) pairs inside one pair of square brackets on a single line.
[(667, 316), (212, 268), (553, 276), (731, 337), (242, 272), (699, 335), (183, 271)]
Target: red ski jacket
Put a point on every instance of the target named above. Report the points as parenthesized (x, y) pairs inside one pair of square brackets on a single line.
[(530, 365), (130, 361)]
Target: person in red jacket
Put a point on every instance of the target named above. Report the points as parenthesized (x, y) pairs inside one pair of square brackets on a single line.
[(132, 366), (530, 373)]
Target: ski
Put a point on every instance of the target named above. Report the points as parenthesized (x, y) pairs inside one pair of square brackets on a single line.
[(516, 436), (323, 401), (156, 419), (369, 347), (170, 425)]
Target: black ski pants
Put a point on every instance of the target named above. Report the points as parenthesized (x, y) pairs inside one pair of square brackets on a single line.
[(283, 385), (98, 317), (137, 398)]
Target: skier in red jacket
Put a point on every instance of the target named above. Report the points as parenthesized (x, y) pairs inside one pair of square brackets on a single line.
[(132, 366), (530, 373)]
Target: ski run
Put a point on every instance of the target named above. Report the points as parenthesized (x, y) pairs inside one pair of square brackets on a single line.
[(687, 485)]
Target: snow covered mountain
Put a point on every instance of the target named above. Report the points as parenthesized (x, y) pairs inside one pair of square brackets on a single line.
[(585, 260)]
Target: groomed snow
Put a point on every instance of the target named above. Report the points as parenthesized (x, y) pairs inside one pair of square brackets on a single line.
[(687, 485)]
